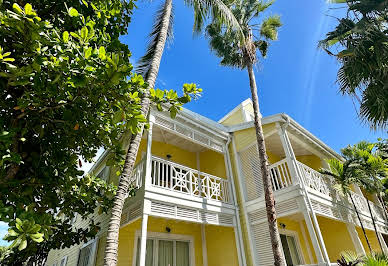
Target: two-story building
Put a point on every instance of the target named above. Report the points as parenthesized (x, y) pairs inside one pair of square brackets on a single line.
[(200, 198)]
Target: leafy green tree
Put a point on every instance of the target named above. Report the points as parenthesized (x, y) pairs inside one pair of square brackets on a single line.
[(234, 52), (149, 68), (362, 41), (345, 174), (67, 89)]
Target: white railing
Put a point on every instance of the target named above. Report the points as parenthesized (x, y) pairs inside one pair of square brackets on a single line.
[(314, 179), (280, 175), (137, 174), (179, 178)]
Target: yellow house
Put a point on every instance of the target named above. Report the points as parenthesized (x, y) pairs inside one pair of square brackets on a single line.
[(200, 202)]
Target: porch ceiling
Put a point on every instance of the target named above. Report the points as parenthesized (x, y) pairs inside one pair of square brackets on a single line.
[(165, 136), (274, 145)]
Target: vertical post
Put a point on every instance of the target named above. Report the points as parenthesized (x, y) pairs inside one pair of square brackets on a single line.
[(383, 243), (355, 239), (237, 224), (307, 201), (143, 235), (204, 246), (147, 176)]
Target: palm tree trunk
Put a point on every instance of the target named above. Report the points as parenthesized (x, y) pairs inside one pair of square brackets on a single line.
[(359, 219), (374, 225), (112, 238), (269, 197)]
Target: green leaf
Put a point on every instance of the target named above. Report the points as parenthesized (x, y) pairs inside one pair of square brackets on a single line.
[(88, 52), (28, 9), (84, 33), (65, 37), (101, 53), (73, 12), (17, 8), (23, 244)]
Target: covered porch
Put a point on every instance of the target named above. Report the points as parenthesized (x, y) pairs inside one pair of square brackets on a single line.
[(177, 243)]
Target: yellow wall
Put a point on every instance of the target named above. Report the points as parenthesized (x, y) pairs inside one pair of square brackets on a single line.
[(336, 237), (293, 225), (312, 161), (235, 118), (221, 246), (374, 243), (247, 136), (179, 155), (213, 163)]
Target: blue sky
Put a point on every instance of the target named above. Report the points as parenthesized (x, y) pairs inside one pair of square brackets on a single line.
[(296, 78)]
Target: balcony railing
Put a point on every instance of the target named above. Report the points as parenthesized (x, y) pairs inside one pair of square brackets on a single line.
[(179, 178), (317, 182)]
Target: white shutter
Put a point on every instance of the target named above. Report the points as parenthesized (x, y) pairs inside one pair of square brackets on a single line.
[(263, 247), (250, 166)]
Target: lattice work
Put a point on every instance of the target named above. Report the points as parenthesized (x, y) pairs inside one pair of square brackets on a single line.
[(179, 178), (250, 165), (262, 244), (315, 180)]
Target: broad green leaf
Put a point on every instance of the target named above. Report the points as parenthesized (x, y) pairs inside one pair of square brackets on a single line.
[(84, 33), (23, 244), (73, 12), (65, 37), (28, 9), (17, 8), (88, 52), (101, 53)]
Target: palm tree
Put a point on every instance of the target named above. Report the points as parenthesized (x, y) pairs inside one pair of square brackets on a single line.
[(235, 53), (361, 39), (373, 170), (149, 67), (345, 174)]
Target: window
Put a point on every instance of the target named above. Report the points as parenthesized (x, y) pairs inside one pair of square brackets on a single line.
[(86, 254), (63, 261), (290, 249), (165, 252), (104, 173)]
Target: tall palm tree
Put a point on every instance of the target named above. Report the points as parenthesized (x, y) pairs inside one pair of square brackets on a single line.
[(149, 67), (345, 174), (361, 38), (373, 169), (235, 53)]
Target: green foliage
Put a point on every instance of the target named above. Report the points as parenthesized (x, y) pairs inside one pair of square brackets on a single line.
[(226, 42), (351, 259), (67, 90), (362, 41)]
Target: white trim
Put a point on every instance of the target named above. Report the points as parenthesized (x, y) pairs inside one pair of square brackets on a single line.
[(294, 234), (93, 252), (204, 245), (64, 258), (243, 197), (306, 242), (165, 236), (241, 105)]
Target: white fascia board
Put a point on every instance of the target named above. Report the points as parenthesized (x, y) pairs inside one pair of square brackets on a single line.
[(241, 105), (264, 121)]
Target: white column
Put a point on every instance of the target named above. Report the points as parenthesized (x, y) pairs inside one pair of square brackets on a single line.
[(310, 221), (291, 161), (204, 246), (237, 224), (385, 248), (355, 239), (301, 225), (147, 178), (143, 235)]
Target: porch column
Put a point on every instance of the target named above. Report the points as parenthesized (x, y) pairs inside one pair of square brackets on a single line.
[(312, 222), (355, 239), (147, 177), (382, 241), (143, 235), (291, 160), (237, 224)]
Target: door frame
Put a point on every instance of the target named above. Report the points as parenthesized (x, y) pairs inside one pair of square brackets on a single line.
[(164, 236), (297, 240)]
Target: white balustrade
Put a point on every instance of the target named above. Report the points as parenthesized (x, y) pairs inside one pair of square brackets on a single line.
[(179, 178), (315, 180), (136, 180), (280, 175)]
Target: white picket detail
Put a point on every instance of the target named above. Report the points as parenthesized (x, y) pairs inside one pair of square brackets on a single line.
[(180, 178), (280, 175), (315, 180), (137, 174)]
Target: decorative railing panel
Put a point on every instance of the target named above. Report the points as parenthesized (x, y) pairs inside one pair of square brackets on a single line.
[(315, 180), (137, 174), (179, 178), (280, 175)]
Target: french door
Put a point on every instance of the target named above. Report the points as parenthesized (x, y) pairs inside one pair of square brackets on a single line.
[(165, 252)]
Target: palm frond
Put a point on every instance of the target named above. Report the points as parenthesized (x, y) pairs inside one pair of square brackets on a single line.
[(144, 63), (269, 28)]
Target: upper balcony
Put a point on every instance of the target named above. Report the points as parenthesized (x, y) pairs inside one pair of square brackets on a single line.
[(322, 190)]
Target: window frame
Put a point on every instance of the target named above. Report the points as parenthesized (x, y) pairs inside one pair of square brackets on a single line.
[(107, 173), (165, 236), (295, 235), (65, 259), (93, 256)]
